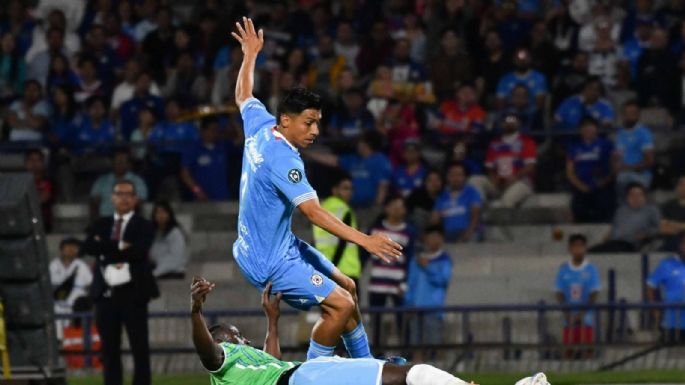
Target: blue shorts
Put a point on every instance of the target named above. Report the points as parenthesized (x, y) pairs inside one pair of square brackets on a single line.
[(303, 276), (338, 371)]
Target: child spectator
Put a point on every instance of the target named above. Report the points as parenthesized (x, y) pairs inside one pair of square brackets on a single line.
[(169, 250), (389, 279), (588, 169), (578, 283), (458, 207), (70, 276), (428, 278)]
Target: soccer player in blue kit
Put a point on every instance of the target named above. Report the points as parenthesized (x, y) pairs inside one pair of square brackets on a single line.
[(272, 185)]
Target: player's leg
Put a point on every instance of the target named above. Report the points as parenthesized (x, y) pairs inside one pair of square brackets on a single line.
[(354, 335), (420, 374), (302, 287)]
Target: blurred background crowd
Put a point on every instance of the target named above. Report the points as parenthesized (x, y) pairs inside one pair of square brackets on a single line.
[(434, 110)]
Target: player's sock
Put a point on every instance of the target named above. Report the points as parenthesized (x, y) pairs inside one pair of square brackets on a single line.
[(357, 342), (429, 375), (318, 350)]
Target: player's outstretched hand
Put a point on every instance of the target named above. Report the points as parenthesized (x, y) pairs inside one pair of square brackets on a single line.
[(271, 305), (250, 40), (383, 247), (198, 293)]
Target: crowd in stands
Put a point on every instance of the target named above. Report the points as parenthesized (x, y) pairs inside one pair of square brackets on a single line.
[(434, 110)]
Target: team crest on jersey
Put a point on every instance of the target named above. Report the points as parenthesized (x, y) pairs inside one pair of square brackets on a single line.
[(295, 175), (317, 280)]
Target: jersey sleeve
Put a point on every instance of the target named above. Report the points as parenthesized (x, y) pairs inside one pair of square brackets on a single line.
[(255, 116), (287, 175), (658, 275)]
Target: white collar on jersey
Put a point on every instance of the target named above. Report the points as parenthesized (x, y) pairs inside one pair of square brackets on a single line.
[(577, 268), (280, 136)]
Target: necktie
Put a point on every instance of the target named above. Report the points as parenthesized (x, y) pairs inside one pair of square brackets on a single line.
[(116, 231)]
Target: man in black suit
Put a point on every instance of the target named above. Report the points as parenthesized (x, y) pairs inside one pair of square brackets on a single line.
[(122, 284)]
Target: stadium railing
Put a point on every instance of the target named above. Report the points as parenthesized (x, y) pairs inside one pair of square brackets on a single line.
[(474, 337)]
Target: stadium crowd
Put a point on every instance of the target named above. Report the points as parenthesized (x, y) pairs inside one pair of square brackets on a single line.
[(433, 110)]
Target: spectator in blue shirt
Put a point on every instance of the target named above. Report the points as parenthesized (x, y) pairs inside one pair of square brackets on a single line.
[(588, 169), (633, 47), (204, 169), (128, 113), (535, 81), (353, 119), (428, 279), (458, 206), (589, 103), (669, 276), (94, 132), (369, 168), (409, 176), (578, 283), (170, 135), (635, 150)]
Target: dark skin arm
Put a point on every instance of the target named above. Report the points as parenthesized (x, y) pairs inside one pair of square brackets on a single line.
[(210, 353), (270, 305)]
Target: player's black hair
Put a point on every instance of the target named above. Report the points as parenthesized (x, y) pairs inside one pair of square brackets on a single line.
[(434, 229), (577, 238), (296, 100)]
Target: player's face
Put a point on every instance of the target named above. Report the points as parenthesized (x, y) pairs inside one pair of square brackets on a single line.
[(303, 129), (234, 336)]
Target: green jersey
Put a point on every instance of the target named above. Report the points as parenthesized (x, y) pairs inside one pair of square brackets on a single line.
[(246, 365)]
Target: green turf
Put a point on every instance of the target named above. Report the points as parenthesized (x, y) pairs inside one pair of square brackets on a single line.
[(637, 377)]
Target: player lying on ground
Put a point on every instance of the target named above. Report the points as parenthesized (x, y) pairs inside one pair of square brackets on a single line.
[(272, 184), (230, 359)]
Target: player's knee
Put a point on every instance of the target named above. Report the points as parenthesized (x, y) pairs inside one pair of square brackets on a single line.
[(341, 303)]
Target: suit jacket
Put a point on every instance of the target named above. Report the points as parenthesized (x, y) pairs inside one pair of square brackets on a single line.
[(139, 234)]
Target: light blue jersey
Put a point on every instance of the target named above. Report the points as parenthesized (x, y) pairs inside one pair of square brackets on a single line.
[(272, 184), (577, 284)]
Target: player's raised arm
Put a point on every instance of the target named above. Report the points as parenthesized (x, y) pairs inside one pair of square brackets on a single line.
[(271, 305), (377, 244), (251, 43), (210, 353)]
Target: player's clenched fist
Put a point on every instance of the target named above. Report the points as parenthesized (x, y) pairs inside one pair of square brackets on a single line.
[(250, 40), (382, 247)]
